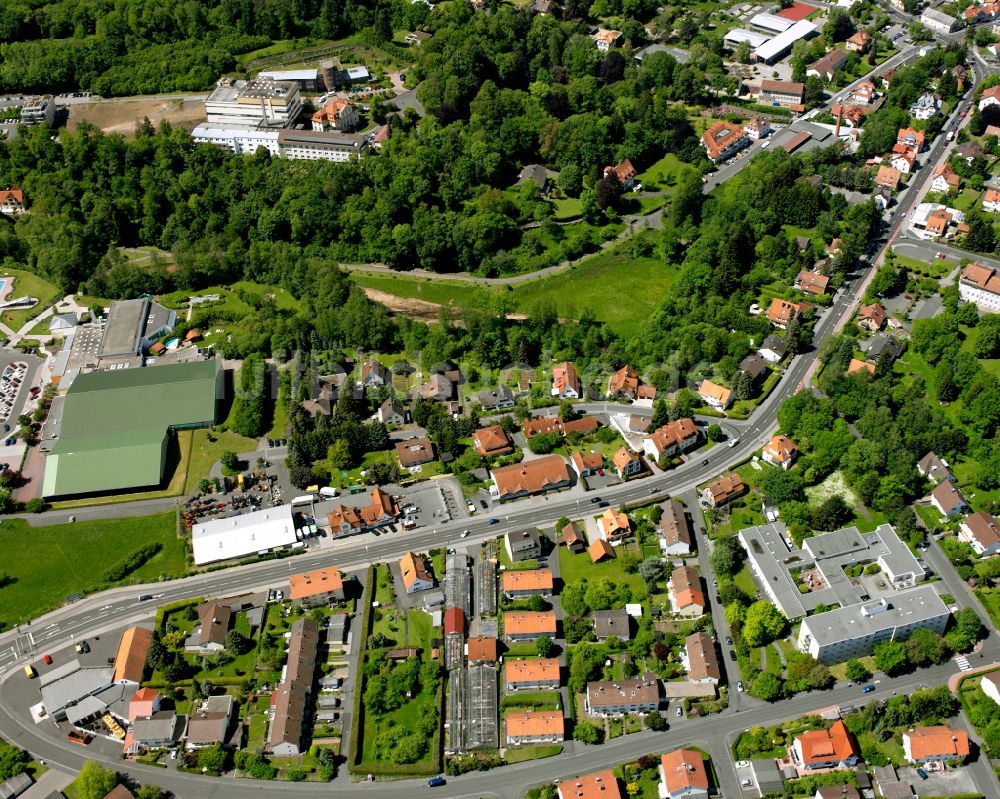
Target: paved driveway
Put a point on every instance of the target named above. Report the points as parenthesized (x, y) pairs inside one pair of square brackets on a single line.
[(953, 782)]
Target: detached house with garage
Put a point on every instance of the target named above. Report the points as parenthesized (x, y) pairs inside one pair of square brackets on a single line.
[(714, 395), (671, 439), (981, 532), (780, 313), (687, 598), (780, 451), (565, 381), (683, 775), (673, 532), (936, 746), (825, 749), (948, 500)]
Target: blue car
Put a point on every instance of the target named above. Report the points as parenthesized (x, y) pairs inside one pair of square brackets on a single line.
[(922, 774), (494, 521), (435, 782), (867, 689)]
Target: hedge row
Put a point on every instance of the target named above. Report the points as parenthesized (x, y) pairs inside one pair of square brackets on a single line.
[(133, 562), (361, 639)]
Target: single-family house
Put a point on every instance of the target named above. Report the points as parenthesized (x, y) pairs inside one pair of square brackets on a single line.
[(812, 282), (857, 365), (614, 525), (496, 399), (565, 381), (888, 177), (601, 785), (828, 66), (600, 550), (755, 367), (926, 106), (948, 499), (540, 674), (970, 151), (902, 159), (938, 745), (626, 463), (871, 317), (524, 583), (640, 695), (671, 439), (991, 201), (144, 703), (700, 659), (416, 574), (586, 463), (214, 619), (612, 624), (825, 748), (934, 468), (912, 140), (624, 172), (865, 93), (884, 347), (981, 532), (724, 490), (945, 179), (210, 724), (859, 42), (12, 201), (374, 374), (522, 545), (757, 128), (780, 451), (534, 727), (438, 388), (163, 728), (571, 539), (391, 412), (414, 452), (534, 173), (687, 598), (673, 532), (606, 39), (623, 384), (527, 625), (714, 395), (492, 442), (990, 96), (683, 775), (774, 349), (780, 313)]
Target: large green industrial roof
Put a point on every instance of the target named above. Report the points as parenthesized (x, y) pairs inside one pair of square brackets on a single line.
[(115, 423)]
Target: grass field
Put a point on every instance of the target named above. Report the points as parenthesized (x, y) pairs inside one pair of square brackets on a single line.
[(664, 173), (48, 564), (27, 284), (519, 755), (620, 290), (206, 448), (577, 566)]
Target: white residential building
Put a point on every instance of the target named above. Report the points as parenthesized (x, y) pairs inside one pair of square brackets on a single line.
[(927, 106), (980, 284)]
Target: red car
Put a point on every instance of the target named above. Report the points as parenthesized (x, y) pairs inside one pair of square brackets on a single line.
[(47, 659)]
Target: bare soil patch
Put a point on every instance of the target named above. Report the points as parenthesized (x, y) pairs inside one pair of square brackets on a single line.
[(121, 116)]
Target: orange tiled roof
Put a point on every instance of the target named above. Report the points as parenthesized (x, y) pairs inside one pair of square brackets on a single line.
[(614, 521), (482, 649), (720, 137), (318, 581), (564, 376), (624, 381), (983, 277), (602, 785), (938, 741), (413, 567), (587, 460), (714, 391), (527, 580), (825, 745), (781, 448), (685, 585), (674, 433), (489, 440), (531, 671), (683, 770), (599, 550), (623, 458), (130, 662), (813, 282), (782, 312), (535, 724), (531, 476), (860, 366), (528, 622)]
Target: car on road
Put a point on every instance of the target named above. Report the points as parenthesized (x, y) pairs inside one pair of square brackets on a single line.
[(494, 521), (83, 648), (922, 774), (465, 533), (940, 256), (739, 686), (732, 655), (742, 764), (436, 782), (173, 754), (484, 504), (47, 659), (145, 597), (680, 711), (705, 462), (729, 640), (594, 500), (867, 689)]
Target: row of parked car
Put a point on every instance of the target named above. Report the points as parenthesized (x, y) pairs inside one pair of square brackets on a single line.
[(10, 384)]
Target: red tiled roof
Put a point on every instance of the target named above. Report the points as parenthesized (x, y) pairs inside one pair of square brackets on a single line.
[(683, 770)]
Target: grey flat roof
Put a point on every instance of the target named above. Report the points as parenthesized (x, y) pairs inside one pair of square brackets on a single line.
[(75, 686), (15, 786), (784, 40), (772, 559), (123, 328), (906, 607)]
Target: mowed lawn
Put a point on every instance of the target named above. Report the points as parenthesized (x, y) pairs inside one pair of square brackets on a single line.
[(27, 284), (576, 566), (619, 289), (48, 564)]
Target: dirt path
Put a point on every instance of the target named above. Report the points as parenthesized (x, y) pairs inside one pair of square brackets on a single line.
[(420, 310)]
